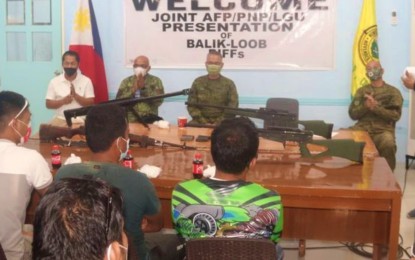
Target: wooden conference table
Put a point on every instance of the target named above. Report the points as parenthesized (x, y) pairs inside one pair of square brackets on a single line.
[(324, 199)]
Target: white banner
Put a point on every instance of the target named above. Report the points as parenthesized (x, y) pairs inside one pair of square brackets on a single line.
[(250, 34)]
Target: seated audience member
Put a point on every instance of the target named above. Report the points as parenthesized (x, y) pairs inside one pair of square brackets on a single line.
[(212, 89), (142, 84), (21, 170), (226, 205), (377, 107), (79, 219), (71, 89), (106, 131)]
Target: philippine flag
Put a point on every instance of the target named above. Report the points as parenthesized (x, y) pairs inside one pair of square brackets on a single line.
[(86, 42)]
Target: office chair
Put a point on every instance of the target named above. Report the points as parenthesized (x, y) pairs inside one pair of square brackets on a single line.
[(289, 105), (318, 127), (219, 248)]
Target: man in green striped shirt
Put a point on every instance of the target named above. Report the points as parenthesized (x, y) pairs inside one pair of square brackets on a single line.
[(226, 205)]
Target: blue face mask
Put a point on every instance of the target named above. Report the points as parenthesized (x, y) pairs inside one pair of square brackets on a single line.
[(123, 154)]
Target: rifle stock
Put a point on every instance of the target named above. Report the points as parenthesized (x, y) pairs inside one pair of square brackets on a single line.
[(69, 113), (49, 132)]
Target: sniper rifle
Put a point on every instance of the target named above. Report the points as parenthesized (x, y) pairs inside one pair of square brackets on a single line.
[(274, 117), (125, 102)]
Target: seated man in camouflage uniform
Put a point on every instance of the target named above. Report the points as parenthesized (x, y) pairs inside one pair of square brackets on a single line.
[(377, 107), (212, 89), (226, 205), (142, 84)]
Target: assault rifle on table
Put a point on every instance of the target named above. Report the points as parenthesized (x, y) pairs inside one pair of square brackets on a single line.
[(51, 133), (274, 117), (345, 148), (125, 102), (278, 134)]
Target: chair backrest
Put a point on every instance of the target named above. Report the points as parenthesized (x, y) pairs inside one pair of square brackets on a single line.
[(289, 105), (219, 248), (318, 127), (2, 254)]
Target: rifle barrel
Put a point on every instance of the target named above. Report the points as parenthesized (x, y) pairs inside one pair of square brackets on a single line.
[(69, 113)]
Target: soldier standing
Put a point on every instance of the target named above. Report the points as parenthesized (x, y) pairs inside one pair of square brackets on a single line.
[(377, 107), (212, 89)]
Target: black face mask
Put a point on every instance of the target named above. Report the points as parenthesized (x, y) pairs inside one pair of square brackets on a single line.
[(70, 71)]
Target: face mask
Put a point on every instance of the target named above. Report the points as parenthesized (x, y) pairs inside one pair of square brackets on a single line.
[(374, 74), (28, 133), (140, 70), (123, 154), (70, 71), (24, 138), (213, 69), (121, 246)]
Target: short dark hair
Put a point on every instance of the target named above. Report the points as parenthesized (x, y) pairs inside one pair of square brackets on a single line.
[(77, 219), (10, 104), (73, 54), (104, 124), (234, 144), (214, 52)]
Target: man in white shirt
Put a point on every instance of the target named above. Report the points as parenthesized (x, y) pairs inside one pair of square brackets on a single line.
[(71, 89), (21, 170)]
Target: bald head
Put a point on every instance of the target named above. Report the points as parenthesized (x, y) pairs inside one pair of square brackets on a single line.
[(373, 64), (141, 61)]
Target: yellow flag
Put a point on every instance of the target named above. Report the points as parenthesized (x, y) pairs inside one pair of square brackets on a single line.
[(365, 47)]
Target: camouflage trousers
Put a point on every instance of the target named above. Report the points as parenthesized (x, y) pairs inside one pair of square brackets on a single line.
[(386, 145)]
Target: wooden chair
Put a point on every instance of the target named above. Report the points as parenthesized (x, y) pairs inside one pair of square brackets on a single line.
[(289, 105), (219, 248), (318, 127)]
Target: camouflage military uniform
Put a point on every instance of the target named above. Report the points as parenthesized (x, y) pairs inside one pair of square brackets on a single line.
[(152, 87), (380, 122), (219, 92)]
